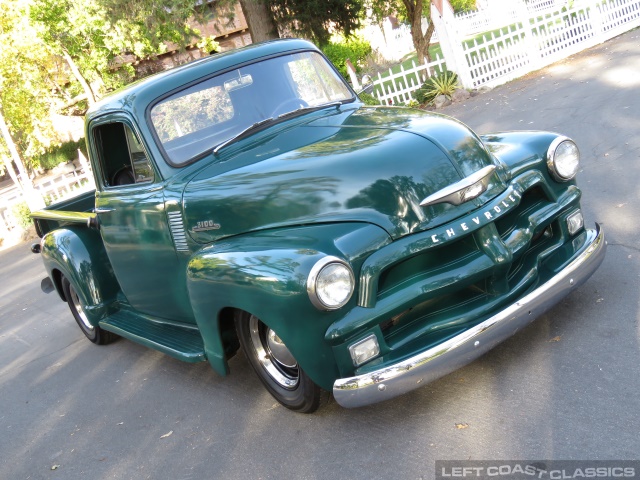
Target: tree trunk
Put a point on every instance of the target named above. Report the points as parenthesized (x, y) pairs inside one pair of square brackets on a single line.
[(32, 197), (427, 40), (421, 41), (258, 16), (76, 73)]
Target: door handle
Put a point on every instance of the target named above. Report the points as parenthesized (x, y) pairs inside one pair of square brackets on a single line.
[(103, 210)]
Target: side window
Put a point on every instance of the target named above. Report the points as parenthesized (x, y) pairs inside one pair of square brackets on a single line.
[(122, 157)]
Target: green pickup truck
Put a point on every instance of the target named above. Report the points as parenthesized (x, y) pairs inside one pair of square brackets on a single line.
[(250, 200)]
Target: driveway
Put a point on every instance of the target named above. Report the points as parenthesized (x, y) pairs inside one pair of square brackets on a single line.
[(564, 388)]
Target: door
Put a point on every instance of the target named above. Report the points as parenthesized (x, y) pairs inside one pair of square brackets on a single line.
[(133, 222)]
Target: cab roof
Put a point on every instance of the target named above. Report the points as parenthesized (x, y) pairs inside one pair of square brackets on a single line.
[(136, 97)]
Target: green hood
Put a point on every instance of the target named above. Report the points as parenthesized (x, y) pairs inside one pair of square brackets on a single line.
[(371, 165)]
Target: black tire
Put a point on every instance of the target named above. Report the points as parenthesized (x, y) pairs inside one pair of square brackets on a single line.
[(94, 333), (279, 372)]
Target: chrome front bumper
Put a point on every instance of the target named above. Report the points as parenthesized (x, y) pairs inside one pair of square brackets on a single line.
[(394, 380)]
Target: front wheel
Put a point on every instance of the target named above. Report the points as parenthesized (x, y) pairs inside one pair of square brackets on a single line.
[(93, 332), (276, 367)]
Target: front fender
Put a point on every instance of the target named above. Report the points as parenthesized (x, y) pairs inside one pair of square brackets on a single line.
[(265, 274), (527, 151), (78, 253)]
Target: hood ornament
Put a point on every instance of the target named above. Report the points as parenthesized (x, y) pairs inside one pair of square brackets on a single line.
[(466, 189)]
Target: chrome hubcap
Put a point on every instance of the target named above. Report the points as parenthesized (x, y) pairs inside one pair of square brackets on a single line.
[(273, 354), (279, 351), (79, 310)]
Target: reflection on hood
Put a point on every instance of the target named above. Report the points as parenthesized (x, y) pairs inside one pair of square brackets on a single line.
[(370, 165)]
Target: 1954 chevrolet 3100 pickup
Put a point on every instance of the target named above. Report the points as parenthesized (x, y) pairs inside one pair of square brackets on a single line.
[(251, 200)]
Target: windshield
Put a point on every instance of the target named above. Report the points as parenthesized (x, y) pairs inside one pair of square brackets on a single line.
[(199, 118)]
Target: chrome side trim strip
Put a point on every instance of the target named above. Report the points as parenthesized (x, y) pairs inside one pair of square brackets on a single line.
[(63, 216), (407, 375), (176, 225)]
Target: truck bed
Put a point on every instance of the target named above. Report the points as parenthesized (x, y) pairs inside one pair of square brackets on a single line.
[(76, 210)]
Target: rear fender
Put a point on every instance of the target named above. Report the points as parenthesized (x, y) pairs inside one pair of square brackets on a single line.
[(265, 274), (78, 253)]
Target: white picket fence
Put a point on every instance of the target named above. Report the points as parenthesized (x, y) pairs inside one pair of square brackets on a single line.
[(491, 18), (497, 14), (537, 41), (397, 88), (536, 34), (53, 188)]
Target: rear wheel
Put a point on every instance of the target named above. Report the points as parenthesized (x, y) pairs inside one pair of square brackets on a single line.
[(276, 367), (93, 332)]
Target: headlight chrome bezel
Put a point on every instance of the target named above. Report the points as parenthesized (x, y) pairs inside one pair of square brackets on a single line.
[(551, 159), (314, 275)]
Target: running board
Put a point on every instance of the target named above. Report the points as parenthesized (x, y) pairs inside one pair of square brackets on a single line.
[(181, 342)]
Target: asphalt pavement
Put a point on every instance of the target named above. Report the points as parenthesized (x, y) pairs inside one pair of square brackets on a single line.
[(566, 387)]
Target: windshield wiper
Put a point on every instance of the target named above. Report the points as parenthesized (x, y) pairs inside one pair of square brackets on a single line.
[(310, 109), (266, 121), (243, 133)]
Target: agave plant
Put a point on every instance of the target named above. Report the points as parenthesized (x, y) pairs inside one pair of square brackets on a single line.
[(444, 84)]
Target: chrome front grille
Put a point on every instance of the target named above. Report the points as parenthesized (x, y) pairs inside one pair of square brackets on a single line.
[(458, 282)]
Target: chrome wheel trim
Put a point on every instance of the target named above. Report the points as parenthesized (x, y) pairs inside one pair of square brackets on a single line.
[(279, 350), (273, 361), (75, 300)]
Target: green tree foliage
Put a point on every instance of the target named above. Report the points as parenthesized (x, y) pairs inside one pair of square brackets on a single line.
[(99, 35), (463, 5), (61, 153), (27, 72), (316, 19), (355, 49), (61, 54)]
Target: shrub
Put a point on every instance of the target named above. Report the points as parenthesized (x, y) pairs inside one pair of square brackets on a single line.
[(21, 213), (355, 49), (368, 99), (444, 84), (62, 153)]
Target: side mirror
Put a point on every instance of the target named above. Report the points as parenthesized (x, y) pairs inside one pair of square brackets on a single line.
[(367, 84)]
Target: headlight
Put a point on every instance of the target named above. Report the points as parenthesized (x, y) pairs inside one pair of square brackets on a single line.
[(563, 159), (330, 283)]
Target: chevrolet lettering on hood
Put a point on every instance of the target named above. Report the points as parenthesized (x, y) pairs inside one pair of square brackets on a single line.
[(250, 200), (485, 216)]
